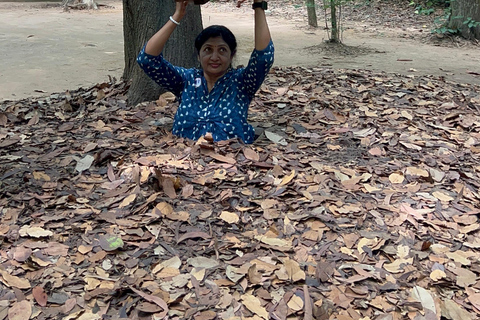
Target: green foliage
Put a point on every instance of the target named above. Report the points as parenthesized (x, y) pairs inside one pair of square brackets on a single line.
[(441, 22), (471, 23), (444, 30), (334, 17), (432, 3), (424, 11), (428, 7)]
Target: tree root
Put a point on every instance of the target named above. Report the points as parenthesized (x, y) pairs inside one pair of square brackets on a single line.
[(79, 5)]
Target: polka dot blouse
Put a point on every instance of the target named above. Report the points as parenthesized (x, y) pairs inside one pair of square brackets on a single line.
[(223, 111)]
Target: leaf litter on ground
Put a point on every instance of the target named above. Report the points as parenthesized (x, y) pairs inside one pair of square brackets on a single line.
[(359, 200)]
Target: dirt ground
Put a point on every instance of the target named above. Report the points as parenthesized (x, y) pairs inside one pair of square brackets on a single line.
[(46, 50)]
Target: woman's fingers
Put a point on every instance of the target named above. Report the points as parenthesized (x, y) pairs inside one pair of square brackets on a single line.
[(181, 6)]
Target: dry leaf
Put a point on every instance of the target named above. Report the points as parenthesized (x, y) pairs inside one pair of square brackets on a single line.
[(85, 163), (425, 297), (465, 277), (437, 275), (151, 298), (442, 196), (35, 232), (193, 235), (202, 262), (254, 277), (396, 178), (284, 244), (14, 281), (286, 180), (452, 311), (295, 303), (128, 201), (413, 171), (254, 305), (251, 154), (461, 257), (162, 208), (229, 217), (41, 176), (173, 262), (406, 115), (294, 272), (40, 296), (276, 138), (20, 311), (375, 151)]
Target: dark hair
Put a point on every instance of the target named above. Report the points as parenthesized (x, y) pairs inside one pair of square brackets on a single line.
[(213, 32)]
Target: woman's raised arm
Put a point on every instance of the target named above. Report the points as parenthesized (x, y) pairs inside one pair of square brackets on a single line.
[(262, 32), (157, 42)]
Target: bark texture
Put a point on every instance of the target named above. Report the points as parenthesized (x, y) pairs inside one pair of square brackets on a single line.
[(312, 13), (334, 34), (462, 11), (141, 20)]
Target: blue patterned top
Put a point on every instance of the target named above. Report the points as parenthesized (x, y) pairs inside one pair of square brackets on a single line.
[(223, 111)]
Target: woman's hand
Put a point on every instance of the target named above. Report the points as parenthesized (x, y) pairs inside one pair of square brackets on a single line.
[(180, 9)]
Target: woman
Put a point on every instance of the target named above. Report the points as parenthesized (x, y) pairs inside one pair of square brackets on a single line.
[(215, 98)]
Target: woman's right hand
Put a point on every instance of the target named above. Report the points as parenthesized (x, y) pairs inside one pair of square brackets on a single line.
[(180, 9)]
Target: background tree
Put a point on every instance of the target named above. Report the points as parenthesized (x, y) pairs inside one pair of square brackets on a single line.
[(141, 20), (312, 13), (465, 18), (333, 15), (89, 4), (335, 21)]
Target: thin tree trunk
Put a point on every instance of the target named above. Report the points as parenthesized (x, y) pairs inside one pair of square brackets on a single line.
[(141, 20), (339, 26), (333, 14), (312, 14), (465, 11), (325, 14)]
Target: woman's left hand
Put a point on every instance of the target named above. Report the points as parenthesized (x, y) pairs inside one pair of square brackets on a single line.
[(180, 9)]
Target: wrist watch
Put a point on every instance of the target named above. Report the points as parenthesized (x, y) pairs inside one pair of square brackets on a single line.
[(261, 5)]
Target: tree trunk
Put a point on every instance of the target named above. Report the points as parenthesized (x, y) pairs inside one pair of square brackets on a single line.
[(335, 36), (90, 4), (465, 18), (312, 14), (141, 20)]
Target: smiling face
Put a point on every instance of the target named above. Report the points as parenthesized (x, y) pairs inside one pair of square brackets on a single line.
[(215, 57)]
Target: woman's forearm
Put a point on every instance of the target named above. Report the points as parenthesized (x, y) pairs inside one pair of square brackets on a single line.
[(157, 42), (262, 32)]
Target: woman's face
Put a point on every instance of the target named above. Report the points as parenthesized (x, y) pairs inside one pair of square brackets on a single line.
[(215, 57)]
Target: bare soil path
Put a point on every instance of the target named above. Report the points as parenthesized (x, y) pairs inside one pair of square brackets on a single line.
[(46, 50)]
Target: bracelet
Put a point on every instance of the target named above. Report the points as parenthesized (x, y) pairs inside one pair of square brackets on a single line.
[(173, 20)]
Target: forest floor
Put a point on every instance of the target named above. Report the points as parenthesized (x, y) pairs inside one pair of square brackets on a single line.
[(358, 201), (46, 50)]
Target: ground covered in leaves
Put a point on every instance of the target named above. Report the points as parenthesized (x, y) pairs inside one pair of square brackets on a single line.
[(359, 200)]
